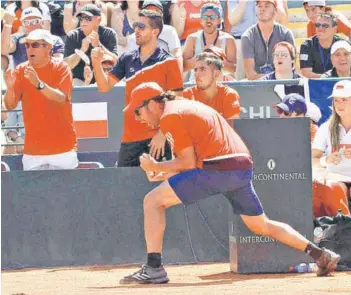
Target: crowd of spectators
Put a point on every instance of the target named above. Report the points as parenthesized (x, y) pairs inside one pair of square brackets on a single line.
[(169, 42)]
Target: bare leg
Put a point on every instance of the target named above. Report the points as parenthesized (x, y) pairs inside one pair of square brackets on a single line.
[(155, 204), (282, 232)]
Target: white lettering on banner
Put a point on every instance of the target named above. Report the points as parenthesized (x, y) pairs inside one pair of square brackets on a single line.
[(256, 239), (280, 176), (262, 112)]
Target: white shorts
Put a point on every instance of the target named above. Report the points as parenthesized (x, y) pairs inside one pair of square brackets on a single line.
[(67, 160)]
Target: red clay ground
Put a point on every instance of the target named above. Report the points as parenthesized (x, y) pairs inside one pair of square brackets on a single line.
[(201, 279)]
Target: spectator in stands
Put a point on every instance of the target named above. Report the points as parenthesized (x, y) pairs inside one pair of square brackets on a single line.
[(187, 18), (18, 7), (314, 8), (241, 15), (332, 148), (209, 36), (341, 60), (107, 64), (72, 9), (13, 44), (168, 12), (284, 56), (89, 35), (45, 87), (220, 53), (148, 63), (294, 105), (122, 20), (315, 55), (258, 41), (168, 39), (224, 99)]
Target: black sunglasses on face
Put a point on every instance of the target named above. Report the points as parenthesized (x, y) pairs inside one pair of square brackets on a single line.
[(137, 110), (139, 25), (324, 25), (85, 17), (35, 45), (280, 111)]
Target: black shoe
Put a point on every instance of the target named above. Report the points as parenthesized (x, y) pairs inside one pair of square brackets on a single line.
[(147, 275), (327, 262)]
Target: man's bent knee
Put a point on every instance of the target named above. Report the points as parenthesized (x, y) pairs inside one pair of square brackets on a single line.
[(257, 224)]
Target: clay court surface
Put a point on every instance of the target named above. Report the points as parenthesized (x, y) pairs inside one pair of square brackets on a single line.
[(188, 279)]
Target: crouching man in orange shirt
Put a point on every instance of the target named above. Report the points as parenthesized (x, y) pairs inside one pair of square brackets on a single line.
[(210, 159), (44, 86)]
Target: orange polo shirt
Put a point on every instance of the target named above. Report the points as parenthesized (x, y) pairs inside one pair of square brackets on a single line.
[(226, 102), (48, 124), (187, 123), (161, 68)]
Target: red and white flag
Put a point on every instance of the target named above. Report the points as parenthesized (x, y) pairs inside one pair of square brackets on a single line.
[(90, 119)]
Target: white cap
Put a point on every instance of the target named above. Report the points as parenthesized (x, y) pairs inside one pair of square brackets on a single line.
[(315, 2), (313, 112), (340, 44), (40, 34), (31, 11), (342, 89)]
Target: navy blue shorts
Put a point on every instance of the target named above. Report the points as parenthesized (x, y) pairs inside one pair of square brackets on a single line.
[(197, 184)]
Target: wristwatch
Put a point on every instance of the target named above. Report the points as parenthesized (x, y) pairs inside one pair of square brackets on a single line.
[(40, 85)]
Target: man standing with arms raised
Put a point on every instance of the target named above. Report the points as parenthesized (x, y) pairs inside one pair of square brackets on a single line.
[(147, 63)]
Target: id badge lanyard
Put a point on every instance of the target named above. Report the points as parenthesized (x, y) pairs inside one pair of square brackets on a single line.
[(324, 62)]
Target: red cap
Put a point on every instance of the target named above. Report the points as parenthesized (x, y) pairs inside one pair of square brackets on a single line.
[(274, 2), (142, 93)]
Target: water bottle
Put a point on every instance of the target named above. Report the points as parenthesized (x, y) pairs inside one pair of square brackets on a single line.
[(303, 268)]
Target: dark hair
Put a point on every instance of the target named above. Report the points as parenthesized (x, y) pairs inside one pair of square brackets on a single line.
[(155, 19), (331, 16), (33, 3), (210, 59), (124, 5)]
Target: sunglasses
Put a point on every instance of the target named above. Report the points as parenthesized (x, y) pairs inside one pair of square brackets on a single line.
[(137, 110), (281, 54), (324, 25), (280, 111), (35, 45), (207, 17), (139, 25), (85, 17), (31, 22)]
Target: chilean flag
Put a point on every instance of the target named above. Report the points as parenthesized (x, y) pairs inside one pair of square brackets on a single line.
[(90, 120), (318, 91)]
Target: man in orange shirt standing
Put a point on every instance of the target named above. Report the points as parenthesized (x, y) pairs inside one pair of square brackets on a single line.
[(224, 99), (211, 159), (44, 86), (147, 63)]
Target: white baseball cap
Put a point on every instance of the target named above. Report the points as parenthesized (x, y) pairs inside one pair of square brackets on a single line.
[(342, 89), (340, 44), (315, 2), (40, 34), (31, 11)]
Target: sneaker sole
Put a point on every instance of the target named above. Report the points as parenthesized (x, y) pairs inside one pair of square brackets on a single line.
[(163, 280), (330, 267)]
